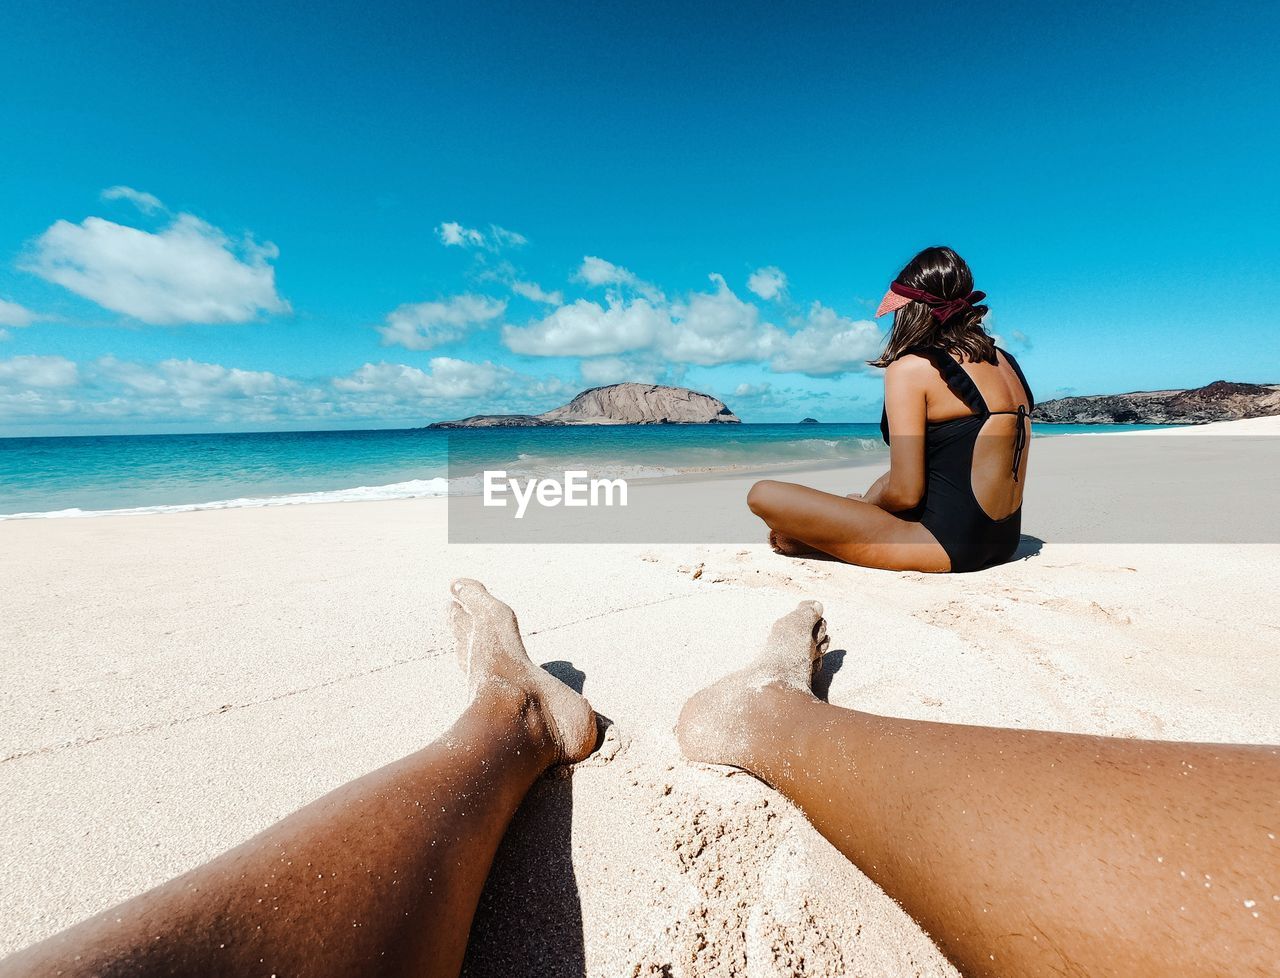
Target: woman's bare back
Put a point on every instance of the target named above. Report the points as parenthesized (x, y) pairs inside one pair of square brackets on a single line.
[(991, 477)]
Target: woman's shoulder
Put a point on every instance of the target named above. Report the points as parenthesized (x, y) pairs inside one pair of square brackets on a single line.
[(913, 363)]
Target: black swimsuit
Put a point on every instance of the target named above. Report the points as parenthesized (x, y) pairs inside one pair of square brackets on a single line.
[(949, 509)]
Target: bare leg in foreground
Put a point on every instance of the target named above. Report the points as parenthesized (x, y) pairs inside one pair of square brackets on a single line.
[(1020, 852), (379, 877)]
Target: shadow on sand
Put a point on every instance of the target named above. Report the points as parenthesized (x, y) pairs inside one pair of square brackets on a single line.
[(1028, 546), (827, 669), (529, 921)]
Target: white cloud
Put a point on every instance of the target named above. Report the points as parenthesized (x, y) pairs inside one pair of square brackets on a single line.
[(706, 328), (145, 202), (536, 293), (601, 273), (828, 344), (447, 379), (12, 314), (703, 328), (597, 271), (423, 325), (504, 272), (39, 372), (447, 388), (768, 282), (27, 406), (502, 238), (110, 391), (618, 370), (763, 395), (189, 272), (454, 235), (191, 383), (15, 316), (123, 391), (711, 328), (605, 370), (587, 329)]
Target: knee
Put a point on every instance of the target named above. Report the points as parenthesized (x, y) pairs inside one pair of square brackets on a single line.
[(762, 497)]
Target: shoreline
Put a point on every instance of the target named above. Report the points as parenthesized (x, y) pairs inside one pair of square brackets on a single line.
[(438, 487)]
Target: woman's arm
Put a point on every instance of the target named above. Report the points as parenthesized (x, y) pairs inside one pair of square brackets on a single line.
[(874, 492), (902, 487)]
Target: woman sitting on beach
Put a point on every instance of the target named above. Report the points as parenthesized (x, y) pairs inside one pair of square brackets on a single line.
[(956, 421), (1020, 852)]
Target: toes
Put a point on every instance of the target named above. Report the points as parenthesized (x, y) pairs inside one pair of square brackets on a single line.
[(470, 593), (460, 625), (477, 600), (818, 627), (459, 620), (804, 619)]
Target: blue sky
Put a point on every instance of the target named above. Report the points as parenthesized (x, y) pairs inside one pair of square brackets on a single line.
[(236, 217)]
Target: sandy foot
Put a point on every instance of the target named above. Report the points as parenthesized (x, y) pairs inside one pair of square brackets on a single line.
[(788, 547), (715, 725), (490, 649)]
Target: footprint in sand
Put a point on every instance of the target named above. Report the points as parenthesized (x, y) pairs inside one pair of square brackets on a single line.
[(745, 572), (1093, 568)]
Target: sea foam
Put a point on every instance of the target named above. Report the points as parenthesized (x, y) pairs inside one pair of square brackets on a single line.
[(413, 489)]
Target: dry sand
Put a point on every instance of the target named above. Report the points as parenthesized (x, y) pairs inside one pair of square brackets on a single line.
[(174, 683)]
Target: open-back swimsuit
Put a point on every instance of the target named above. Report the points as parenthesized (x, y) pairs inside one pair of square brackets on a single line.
[(949, 509)]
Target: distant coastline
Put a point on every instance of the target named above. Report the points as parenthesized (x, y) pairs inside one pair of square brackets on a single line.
[(1220, 401)]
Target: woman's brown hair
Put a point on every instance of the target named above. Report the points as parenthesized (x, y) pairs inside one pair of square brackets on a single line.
[(940, 272)]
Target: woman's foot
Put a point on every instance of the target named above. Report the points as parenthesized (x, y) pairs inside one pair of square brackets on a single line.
[(725, 723), (788, 547), (492, 654)]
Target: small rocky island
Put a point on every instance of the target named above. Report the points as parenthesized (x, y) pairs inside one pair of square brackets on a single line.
[(808, 420), (615, 404), (1220, 401)]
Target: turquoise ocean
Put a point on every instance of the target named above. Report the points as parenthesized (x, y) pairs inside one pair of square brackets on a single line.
[(79, 476)]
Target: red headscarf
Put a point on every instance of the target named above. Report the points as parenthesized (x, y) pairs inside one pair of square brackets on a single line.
[(941, 309)]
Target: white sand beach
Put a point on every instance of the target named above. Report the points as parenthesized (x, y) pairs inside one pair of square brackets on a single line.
[(174, 683)]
